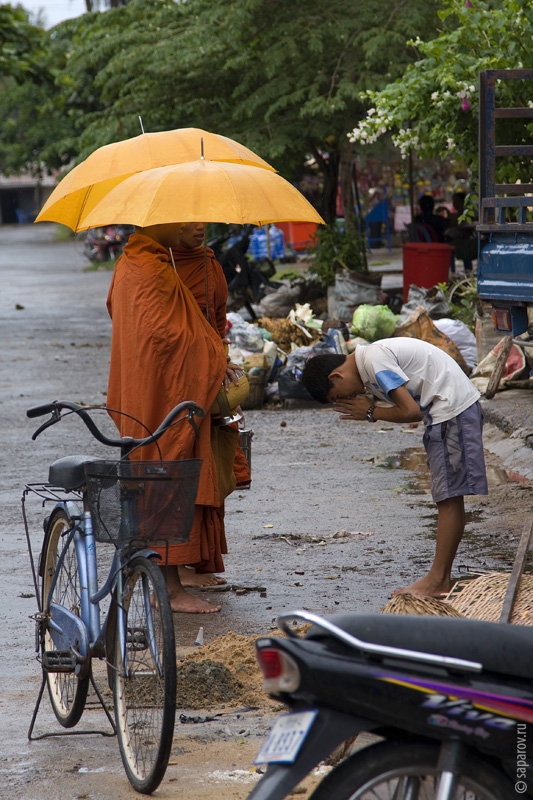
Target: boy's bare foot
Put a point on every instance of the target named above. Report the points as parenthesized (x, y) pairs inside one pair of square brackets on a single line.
[(189, 577), (425, 588)]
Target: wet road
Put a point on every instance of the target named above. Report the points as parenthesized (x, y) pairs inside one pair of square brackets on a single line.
[(338, 514)]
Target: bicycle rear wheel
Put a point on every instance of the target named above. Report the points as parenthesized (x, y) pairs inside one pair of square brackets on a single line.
[(67, 691), (145, 676)]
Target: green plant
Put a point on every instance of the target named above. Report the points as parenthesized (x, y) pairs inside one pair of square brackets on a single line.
[(333, 248), (463, 298), (63, 234)]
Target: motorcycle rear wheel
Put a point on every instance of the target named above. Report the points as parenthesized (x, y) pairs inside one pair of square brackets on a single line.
[(396, 771)]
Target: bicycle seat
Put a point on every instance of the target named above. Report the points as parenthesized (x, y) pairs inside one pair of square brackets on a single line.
[(504, 649), (69, 472)]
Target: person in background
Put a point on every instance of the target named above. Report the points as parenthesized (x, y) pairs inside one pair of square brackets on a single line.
[(460, 234), (433, 224)]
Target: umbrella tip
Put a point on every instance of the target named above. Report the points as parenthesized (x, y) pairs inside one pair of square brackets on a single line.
[(141, 123)]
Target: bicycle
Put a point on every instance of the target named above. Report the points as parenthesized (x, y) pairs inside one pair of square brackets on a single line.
[(134, 506)]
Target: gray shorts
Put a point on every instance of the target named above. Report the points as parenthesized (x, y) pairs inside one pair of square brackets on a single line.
[(455, 455)]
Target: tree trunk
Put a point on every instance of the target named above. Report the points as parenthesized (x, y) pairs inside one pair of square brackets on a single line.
[(330, 170), (347, 189)]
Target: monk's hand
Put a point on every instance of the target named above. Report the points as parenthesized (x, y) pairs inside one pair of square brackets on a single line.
[(233, 373), (352, 407)]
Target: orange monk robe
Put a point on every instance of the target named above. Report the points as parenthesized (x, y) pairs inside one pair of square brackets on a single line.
[(163, 351), (212, 298)]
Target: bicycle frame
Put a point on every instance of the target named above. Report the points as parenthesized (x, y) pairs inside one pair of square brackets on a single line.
[(89, 622)]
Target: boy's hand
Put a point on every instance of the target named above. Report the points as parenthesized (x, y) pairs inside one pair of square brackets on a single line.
[(353, 407), (404, 408)]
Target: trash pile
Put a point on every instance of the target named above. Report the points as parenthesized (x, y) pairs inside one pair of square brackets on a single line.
[(274, 348)]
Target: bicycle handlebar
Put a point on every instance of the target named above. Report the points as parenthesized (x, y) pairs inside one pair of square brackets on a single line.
[(40, 411), (57, 406)]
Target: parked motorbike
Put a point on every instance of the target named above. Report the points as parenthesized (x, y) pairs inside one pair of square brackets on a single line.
[(450, 699), (246, 281), (107, 243)]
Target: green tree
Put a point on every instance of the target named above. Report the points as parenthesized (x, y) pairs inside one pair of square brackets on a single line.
[(433, 108), (282, 77), (294, 75), (20, 43)]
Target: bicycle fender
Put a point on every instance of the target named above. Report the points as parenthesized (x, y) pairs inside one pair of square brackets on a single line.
[(145, 553), (329, 730), (109, 629), (72, 511)]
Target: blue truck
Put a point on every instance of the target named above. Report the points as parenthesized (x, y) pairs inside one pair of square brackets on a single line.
[(505, 227)]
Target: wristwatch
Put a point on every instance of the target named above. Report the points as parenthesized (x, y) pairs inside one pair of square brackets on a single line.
[(370, 413)]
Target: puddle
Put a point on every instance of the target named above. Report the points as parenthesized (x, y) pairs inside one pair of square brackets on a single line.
[(414, 460)]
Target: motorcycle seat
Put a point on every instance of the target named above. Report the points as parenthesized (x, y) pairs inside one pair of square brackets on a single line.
[(500, 648)]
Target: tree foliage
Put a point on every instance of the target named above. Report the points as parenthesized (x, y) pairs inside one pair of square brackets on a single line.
[(20, 43), (283, 78), (433, 107)]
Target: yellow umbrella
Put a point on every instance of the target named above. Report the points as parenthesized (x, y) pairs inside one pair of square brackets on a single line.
[(201, 191), (90, 181)]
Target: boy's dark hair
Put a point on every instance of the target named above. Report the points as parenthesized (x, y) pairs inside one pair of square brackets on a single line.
[(315, 374)]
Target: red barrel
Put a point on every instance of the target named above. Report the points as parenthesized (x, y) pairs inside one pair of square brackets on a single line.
[(425, 264)]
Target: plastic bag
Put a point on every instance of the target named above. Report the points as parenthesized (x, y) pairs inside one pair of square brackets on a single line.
[(244, 335), (420, 326), (373, 322), (462, 336), (280, 302), (433, 300), (351, 289), (514, 367)]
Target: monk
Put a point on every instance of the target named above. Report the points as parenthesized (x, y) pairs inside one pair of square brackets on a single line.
[(164, 350)]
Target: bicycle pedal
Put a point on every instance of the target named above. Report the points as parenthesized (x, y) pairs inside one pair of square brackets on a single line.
[(59, 661)]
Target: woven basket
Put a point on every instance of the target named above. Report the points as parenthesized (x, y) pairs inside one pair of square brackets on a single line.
[(478, 598), (256, 395), (482, 598), (414, 604)]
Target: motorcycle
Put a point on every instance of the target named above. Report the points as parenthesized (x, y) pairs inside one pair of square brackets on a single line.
[(107, 243), (246, 279), (447, 699)]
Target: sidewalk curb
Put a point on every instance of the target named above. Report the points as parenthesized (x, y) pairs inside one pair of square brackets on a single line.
[(495, 417)]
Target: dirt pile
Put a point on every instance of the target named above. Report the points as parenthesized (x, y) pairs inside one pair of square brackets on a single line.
[(223, 673)]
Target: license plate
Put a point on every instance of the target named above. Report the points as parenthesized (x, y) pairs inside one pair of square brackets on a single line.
[(286, 737)]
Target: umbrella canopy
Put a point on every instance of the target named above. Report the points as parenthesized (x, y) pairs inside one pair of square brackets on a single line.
[(201, 191), (90, 181)]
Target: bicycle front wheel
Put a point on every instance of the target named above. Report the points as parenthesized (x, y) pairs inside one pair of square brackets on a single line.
[(68, 693), (145, 675), (398, 771)]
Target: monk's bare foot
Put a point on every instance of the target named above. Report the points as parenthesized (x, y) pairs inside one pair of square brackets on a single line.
[(183, 602), (189, 577), (187, 604), (425, 587)]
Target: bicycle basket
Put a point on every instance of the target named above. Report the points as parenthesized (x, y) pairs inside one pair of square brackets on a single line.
[(143, 500)]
